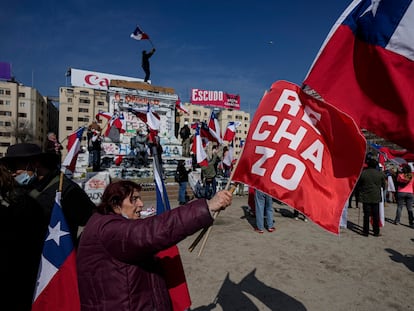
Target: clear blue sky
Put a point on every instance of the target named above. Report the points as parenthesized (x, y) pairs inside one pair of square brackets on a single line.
[(234, 46)]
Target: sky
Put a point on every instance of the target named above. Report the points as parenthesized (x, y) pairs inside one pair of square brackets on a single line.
[(237, 47)]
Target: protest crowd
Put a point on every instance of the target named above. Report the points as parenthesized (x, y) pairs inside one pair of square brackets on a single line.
[(63, 251)]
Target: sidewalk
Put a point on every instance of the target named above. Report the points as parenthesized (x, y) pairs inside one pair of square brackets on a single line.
[(300, 266)]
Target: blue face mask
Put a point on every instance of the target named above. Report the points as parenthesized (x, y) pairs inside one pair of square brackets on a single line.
[(24, 178)]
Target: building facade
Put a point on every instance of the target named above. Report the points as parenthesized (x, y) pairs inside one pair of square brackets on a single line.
[(25, 115)]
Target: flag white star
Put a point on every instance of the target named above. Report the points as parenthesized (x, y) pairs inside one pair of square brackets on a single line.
[(55, 233), (373, 7)]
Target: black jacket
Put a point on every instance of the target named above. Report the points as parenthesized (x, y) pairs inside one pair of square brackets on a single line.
[(76, 205)]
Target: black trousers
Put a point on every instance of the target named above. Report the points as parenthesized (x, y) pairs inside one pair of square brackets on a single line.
[(371, 209)]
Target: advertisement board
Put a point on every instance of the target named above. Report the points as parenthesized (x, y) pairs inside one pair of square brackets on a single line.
[(215, 99), (95, 80)]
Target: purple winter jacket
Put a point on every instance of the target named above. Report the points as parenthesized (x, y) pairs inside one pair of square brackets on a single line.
[(116, 263)]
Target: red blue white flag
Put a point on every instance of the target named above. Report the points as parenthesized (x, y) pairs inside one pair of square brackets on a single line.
[(57, 283), (116, 120), (74, 143), (214, 128), (148, 116), (366, 68), (170, 258), (119, 122), (180, 107), (198, 149), (389, 154), (138, 34), (304, 152), (231, 130)]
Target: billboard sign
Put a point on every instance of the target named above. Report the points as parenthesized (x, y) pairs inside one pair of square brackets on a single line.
[(95, 80), (215, 99)]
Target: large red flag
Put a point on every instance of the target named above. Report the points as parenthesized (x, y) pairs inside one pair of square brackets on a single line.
[(366, 68), (303, 152)]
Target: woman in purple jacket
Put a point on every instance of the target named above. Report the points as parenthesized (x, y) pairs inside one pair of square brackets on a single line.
[(116, 262)]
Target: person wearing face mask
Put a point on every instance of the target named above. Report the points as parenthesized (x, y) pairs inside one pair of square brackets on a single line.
[(21, 243), (39, 175), (116, 260)]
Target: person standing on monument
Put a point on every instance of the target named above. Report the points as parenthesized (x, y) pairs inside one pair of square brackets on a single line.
[(145, 63)]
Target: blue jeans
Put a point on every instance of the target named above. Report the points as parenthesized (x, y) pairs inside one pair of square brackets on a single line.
[(264, 208), (96, 160), (181, 192), (405, 198), (211, 188)]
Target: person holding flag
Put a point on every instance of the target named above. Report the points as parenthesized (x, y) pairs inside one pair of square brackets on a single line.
[(145, 63), (38, 176), (117, 264)]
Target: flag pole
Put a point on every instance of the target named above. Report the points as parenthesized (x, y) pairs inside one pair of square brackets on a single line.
[(208, 229)]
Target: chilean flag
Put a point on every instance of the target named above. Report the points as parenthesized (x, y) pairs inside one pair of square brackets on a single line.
[(116, 120), (119, 122), (179, 106), (366, 68), (74, 142), (170, 258), (57, 283), (138, 34), (214, 127), (198, 149), (148, 116), (231, 131)]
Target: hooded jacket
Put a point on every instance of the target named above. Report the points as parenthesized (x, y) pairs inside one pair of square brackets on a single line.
[(116, 262)]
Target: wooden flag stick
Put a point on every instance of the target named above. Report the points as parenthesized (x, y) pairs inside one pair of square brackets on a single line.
[(208, 229)]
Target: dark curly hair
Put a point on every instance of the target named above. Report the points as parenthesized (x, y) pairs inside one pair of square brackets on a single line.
[(115, 193)]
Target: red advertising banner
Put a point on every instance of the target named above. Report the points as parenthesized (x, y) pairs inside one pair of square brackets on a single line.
[(215, 99)]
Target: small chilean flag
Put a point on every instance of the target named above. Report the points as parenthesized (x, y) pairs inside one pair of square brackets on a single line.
[(74, 142), (197, 148), (138, 34)]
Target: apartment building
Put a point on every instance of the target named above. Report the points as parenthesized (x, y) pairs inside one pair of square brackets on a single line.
[(25, 115), (78, 107)]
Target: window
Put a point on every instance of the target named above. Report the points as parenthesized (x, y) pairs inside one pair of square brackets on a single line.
[(69, 109), (84, 101), (69, 128), (69, 119), (84, 93), (5, 113), (5, 134), (21, 94), (80, 119), (100, 103), (22, 115), (84, 110), (22, 104), (70, 99)]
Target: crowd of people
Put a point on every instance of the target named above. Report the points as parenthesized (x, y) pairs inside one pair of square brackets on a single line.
[(117, 261), (114, 249)]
